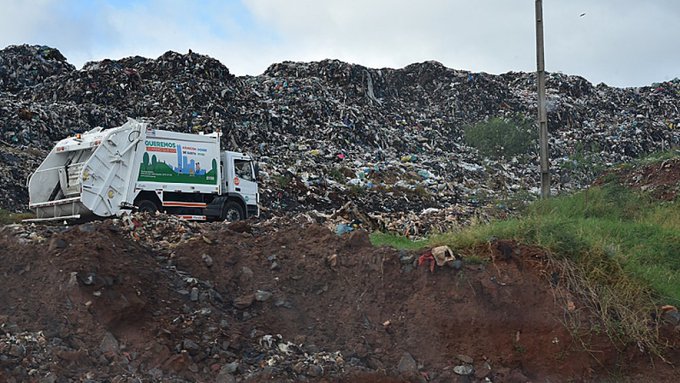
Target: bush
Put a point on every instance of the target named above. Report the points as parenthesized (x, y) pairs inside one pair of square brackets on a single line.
[(500, 137)]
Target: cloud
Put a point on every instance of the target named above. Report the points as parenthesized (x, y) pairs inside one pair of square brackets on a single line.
[(22, 19), (620, 42), (399, 32), (53, 23)]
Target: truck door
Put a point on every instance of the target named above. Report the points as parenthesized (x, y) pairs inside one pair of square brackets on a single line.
[(244, 180)]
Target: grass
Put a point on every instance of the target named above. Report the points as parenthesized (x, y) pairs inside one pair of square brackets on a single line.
[(399, 242), (608, 222), (617, 250), (619, 226)]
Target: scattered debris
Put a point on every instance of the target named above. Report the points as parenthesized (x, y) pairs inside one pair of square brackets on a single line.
[(357, 147)]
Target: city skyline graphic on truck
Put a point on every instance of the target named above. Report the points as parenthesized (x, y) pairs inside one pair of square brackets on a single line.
[(165, 161)]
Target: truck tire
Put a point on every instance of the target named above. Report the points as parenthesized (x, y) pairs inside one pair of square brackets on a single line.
[(146, 206), (232, 212)]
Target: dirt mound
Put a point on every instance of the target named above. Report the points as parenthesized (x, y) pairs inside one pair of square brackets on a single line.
[(163, 300), (661, 179)]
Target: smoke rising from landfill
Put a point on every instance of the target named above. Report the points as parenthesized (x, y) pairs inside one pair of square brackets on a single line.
[(620, 43)]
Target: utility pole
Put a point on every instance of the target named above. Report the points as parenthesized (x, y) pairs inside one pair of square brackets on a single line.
[(542, 113)]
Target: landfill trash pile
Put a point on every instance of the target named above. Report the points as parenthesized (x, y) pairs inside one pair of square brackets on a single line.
[(16, 165), (27, 65), (151, 298), (390, 141)]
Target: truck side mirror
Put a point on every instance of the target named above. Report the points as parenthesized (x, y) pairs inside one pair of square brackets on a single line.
[(256, 167)]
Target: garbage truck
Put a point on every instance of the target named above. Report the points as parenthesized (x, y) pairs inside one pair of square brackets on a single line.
[(135, 167)]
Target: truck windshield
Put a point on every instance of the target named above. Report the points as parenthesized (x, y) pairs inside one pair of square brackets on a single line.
[(243, 169)]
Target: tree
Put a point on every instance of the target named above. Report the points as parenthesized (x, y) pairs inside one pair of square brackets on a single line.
[(145, 160), (154, 160), (500, 137)]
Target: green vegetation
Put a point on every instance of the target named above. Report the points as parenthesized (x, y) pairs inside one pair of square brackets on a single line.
[(658, 157), (282, 180), (585, 160), (337, 176), (356, 190), (615, 249), (499, 137), (609, 222), (391, 240)]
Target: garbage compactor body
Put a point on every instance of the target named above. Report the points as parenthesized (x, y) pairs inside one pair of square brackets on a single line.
[(104, 173)]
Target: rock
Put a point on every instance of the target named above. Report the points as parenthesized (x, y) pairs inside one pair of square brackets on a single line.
[(207, 259), (483, 371), (57, 243), (109, 345), (156, 373), (194, 294), (230, 368), (244, 301), (50, 378), (516, 376), (314, 371), (406, 258), (299, 367), (672, 317), (407, 364), (463, 369), (16, 350), (207, 240), (89, 279), (86, 227), (214, 296), (225, 377), (261, 295), (190, 345), (465, 359), (280, 302), (246, 273)]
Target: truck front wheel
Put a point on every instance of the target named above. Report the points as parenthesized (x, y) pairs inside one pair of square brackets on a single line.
[(232, 212), (146, 206)]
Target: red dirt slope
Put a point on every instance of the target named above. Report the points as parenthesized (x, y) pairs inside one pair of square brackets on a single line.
[(165, 300)]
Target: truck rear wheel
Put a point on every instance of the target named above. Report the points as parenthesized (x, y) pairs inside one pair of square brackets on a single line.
[(232, 212), (146, 206)]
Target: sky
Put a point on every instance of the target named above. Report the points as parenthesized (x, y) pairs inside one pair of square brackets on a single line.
[(618, 42)]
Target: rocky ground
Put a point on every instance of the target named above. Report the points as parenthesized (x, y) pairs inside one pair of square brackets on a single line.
[(158, 299)]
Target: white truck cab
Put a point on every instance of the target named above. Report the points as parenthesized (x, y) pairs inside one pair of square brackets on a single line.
[(239, 180)]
